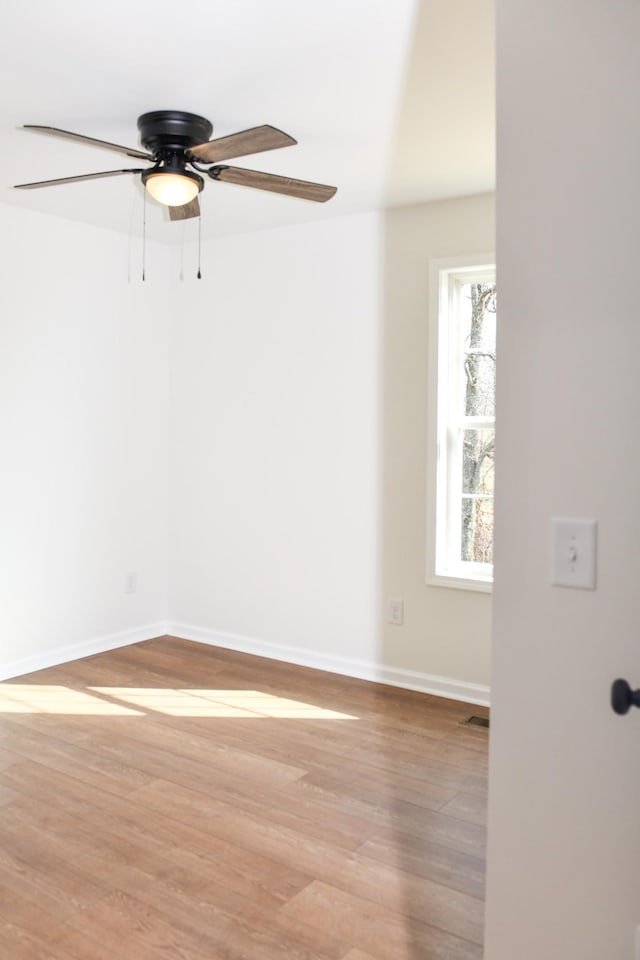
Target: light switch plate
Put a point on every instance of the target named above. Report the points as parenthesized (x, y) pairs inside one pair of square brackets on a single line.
[(574, 553)]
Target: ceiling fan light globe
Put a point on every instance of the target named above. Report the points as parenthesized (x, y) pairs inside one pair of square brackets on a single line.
[(172, 189)]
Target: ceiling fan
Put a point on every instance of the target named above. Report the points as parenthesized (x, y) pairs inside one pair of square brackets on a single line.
[(177, 146)]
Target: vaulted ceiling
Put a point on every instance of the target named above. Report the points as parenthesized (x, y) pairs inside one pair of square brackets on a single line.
[(393, 102)]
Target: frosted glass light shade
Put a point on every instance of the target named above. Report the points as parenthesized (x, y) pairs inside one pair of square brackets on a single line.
[(172, 189)]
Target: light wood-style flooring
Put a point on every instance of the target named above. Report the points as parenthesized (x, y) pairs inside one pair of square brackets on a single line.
[(173, 801)]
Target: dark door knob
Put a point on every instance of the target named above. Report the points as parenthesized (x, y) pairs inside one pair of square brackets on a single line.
[(623, 697)]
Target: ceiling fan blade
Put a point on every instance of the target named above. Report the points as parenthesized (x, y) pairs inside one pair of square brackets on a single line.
[(186, 211), (269, 181), (67, 135), (82, 176), (256, 140)]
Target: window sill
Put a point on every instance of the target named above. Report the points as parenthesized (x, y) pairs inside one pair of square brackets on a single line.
[(461, 583)]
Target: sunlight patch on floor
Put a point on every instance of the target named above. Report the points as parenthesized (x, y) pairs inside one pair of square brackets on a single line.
[(136, 701)]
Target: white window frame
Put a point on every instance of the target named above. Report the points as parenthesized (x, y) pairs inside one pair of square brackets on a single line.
[(444, 472)]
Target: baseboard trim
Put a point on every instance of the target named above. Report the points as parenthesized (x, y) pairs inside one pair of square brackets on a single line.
[(360, 669), (53, 658)]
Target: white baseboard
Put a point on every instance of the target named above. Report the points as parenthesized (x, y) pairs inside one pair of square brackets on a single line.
[(52, 658), (361, 669)]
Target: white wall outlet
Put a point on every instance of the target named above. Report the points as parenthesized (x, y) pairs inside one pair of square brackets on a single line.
[(574, 553), (395, 612), (130, 582)]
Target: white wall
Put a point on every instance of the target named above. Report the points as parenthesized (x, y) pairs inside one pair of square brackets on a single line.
[(274, 533), (296, 457), (446, 631), (564, 843), (83, 435)]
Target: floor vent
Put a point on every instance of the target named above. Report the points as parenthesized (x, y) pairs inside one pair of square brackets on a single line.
[(474, 721)]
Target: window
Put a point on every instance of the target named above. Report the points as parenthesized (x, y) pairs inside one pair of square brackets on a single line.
[(462, 404)]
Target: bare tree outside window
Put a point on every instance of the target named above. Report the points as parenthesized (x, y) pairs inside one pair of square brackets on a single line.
[(478, 444)]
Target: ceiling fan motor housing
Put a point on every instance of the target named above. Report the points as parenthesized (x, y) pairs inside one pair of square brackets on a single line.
[(166, 131)]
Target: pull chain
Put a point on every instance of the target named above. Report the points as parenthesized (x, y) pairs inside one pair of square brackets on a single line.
[(130, 250), (199, 244), (144, 236)]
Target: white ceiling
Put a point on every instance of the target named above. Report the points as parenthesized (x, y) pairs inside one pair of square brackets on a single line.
[(390, 100)]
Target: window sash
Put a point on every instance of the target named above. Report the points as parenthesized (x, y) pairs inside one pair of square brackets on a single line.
[(448, 423)]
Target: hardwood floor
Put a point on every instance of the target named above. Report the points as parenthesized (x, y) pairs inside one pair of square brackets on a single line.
[(171, 801)]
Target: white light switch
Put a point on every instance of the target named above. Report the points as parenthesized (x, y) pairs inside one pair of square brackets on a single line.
[(574, 553)]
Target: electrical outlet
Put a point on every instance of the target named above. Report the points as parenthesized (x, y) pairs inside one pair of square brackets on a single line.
[(130, 582), (395, 612)]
